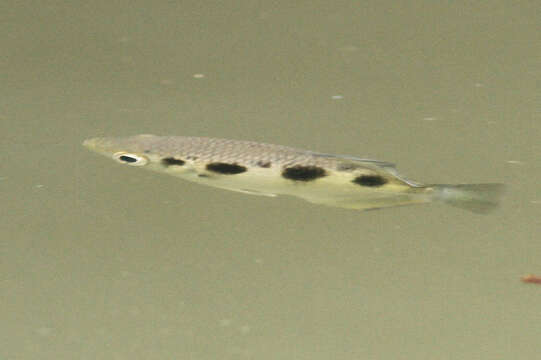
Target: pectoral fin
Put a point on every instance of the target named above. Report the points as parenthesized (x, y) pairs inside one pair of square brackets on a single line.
[(252, 192)]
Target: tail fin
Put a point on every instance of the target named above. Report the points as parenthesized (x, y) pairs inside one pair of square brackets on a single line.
[(477, 198)]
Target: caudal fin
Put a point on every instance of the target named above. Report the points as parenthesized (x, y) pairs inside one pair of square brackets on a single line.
[(477, 198)]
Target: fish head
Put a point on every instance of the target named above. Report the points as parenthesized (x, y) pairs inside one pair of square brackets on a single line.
[(139, 150)]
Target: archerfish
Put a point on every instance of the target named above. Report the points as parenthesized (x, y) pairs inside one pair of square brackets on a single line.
[(265, 169)]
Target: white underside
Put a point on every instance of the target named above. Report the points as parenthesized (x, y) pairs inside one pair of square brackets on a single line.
[(334, 190)]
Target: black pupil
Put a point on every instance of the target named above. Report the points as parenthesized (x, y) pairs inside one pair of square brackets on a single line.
[(127, 159)]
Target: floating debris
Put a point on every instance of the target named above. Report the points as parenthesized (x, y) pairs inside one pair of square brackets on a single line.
[(515, 162), (531, 279)]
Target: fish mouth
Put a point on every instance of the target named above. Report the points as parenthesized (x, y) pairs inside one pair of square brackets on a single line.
[(91, 143), (99, 145)]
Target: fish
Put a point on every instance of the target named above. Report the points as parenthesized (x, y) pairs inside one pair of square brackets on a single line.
[(262, 169)]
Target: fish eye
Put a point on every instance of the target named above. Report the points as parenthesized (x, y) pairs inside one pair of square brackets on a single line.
[(130, 159)]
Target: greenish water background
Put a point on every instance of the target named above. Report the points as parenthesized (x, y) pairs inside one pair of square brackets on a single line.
[(100, 261)]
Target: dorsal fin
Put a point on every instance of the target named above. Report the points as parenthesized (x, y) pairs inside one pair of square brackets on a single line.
[(360, 161), (376, 165)]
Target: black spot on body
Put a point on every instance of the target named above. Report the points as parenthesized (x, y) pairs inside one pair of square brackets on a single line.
[(303, 173), (225, 168), (172, 161), (370, 180), (264, 164)]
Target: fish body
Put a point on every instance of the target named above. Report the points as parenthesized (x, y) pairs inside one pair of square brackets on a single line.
[(270, 170)]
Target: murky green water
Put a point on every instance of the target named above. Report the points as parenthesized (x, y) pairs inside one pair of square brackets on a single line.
[(100, 261)]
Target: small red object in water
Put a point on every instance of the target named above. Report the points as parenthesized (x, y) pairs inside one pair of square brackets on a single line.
[(531, 279)]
